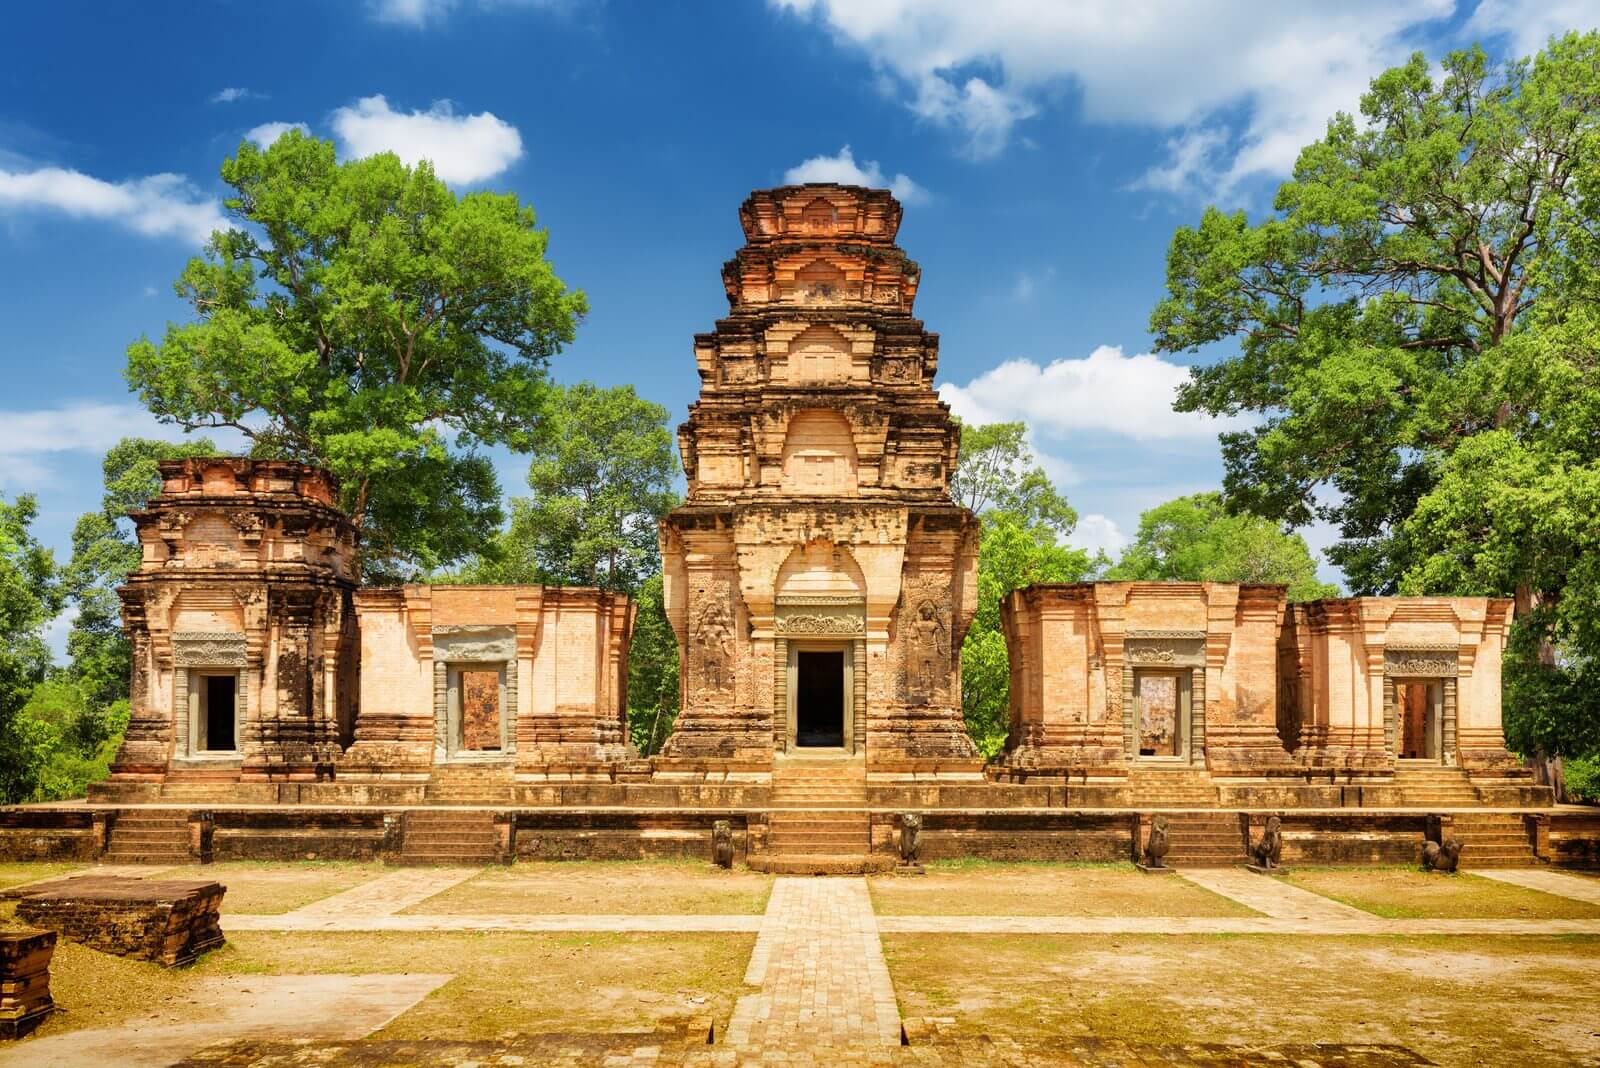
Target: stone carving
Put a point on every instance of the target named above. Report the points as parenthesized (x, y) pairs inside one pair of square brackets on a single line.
[(208, 649), (1151, 654), (822, 624), (1425, 662), (1442, 857), (713, 637), (929, 646), (1269, 850), (474, 645), (1157, 845), (722, 843), (910, 843)]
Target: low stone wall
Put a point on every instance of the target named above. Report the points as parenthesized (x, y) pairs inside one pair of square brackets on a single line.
[(48, 834), (1350, 839), (1014, 834), (625, 835), (169, 921), (25, 980), (303, 834), (1575, 837)]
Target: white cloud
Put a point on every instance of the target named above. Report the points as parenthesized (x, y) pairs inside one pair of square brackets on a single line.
[(157, 206), (844, 169), (269, 132), (462, 148), (1029, 283), (1528, 25), (1260, 86), (420, 13), (1098, 533), (233, 94), (1105, 391), (29, 438)]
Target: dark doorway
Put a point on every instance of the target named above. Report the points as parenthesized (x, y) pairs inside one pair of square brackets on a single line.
[(819, 700), (219, 712)]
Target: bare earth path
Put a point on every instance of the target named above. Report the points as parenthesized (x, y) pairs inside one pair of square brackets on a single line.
[(1575, 887)]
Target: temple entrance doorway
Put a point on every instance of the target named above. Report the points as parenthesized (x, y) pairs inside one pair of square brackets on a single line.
[(819, 700), (1421, 704)]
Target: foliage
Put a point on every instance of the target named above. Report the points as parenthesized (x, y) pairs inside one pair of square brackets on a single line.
[(1416, 331), (1583, 779), (996, 471), (1194, 538), (652, 671), (76, 739), (601, 479), (358, 316), (30, 596)]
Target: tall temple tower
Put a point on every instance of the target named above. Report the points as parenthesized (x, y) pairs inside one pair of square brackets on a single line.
[(819, 577)]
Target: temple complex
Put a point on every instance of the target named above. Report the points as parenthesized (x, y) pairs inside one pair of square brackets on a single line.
[(820, 582)]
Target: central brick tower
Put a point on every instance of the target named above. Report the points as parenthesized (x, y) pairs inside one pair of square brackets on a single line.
[(819, 578)]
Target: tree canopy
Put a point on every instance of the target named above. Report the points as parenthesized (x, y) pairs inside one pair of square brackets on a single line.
[(1195, 538), (363, 317), (996, 472), (30, 597), (1415, 330)]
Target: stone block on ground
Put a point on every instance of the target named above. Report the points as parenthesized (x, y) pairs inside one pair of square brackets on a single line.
[(25, 980), (169, 921)]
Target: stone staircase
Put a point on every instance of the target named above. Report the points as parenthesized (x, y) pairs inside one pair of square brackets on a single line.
[(446, 837), (155, 836), (471, 784), (1435, 786), (1492, 840), (1174, 787), (818, 824), (1204, 840)]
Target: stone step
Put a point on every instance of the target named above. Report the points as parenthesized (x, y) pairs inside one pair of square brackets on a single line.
[(167, 860), (824, 864)]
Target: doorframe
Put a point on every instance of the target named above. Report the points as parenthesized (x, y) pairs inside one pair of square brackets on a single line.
[(846, 650)]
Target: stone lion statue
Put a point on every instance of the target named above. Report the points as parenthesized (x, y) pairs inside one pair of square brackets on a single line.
[(1156, 846), (722, 843), (1444, 857), (1269, 850), (910, 836)]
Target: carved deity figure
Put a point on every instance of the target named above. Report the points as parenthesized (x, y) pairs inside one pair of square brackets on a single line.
[(1442, 857), (722, 843), (1156, 846), (927, 650), (714, 636), (910, 836), (1269, 849)]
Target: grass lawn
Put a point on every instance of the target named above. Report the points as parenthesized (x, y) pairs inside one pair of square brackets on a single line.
[(274, 887), (966, 889), (32, 871), (604, 887), (1408, 894), (1458, 1001), (505, 983)]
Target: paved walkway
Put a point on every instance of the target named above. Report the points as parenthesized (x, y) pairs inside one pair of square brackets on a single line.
[(1576, 887), (1272, 896), (821, 971), (379, 897)]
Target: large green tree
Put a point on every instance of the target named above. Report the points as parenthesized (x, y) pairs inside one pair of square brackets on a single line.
[(1196, 538), (30, 596), (601, 478), (652, 671), (1024, 520), (1415, 331), (362, 316)]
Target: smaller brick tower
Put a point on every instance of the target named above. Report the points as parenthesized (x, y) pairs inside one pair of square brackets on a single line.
[(239, 615)]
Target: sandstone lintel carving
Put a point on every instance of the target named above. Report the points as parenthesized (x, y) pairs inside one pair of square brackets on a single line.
[(822, 624), (208, 649)]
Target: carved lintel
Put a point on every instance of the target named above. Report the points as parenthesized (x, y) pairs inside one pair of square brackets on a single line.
[(1421, 661), (822, 624), (208, 649)]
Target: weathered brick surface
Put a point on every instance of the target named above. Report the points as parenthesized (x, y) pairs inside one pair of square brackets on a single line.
[(25, 980), (167, 921)]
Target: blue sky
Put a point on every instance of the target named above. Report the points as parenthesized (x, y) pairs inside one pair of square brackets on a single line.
[(1045, 149)]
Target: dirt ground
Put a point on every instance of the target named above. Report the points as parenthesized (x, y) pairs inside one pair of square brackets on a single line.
[(1459, 1001), (268, 888), (1406, 893), (627, 887), (1045, 890), (504, 983)]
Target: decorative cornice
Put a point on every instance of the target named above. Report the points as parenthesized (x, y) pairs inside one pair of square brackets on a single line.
[(1165, 635)]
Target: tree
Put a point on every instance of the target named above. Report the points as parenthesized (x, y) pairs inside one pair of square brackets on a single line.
[(1194, 538), (363, 317), (652, 671), (1024, 521), (601, 479), (30, 597), (996, 471), (1415, 330), (104, 552)]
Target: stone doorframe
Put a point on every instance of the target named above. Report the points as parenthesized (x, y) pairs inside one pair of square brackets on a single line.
[(1176, 652), (196, 654), (1422, 663), (458, 648), (820, 624)]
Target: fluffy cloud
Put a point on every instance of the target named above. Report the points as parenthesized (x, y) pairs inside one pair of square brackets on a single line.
[(420, 13), (844, 169), (1104, 392), (269, 132), (462, 148), (1240, 92), (30, 437), (158, 206), (233, 94), (1527, 24), (1098, 533)]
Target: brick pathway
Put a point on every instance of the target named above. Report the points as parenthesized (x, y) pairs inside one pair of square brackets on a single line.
[(1272, 896), (821, 971), (1576, 887), (383, 896)]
